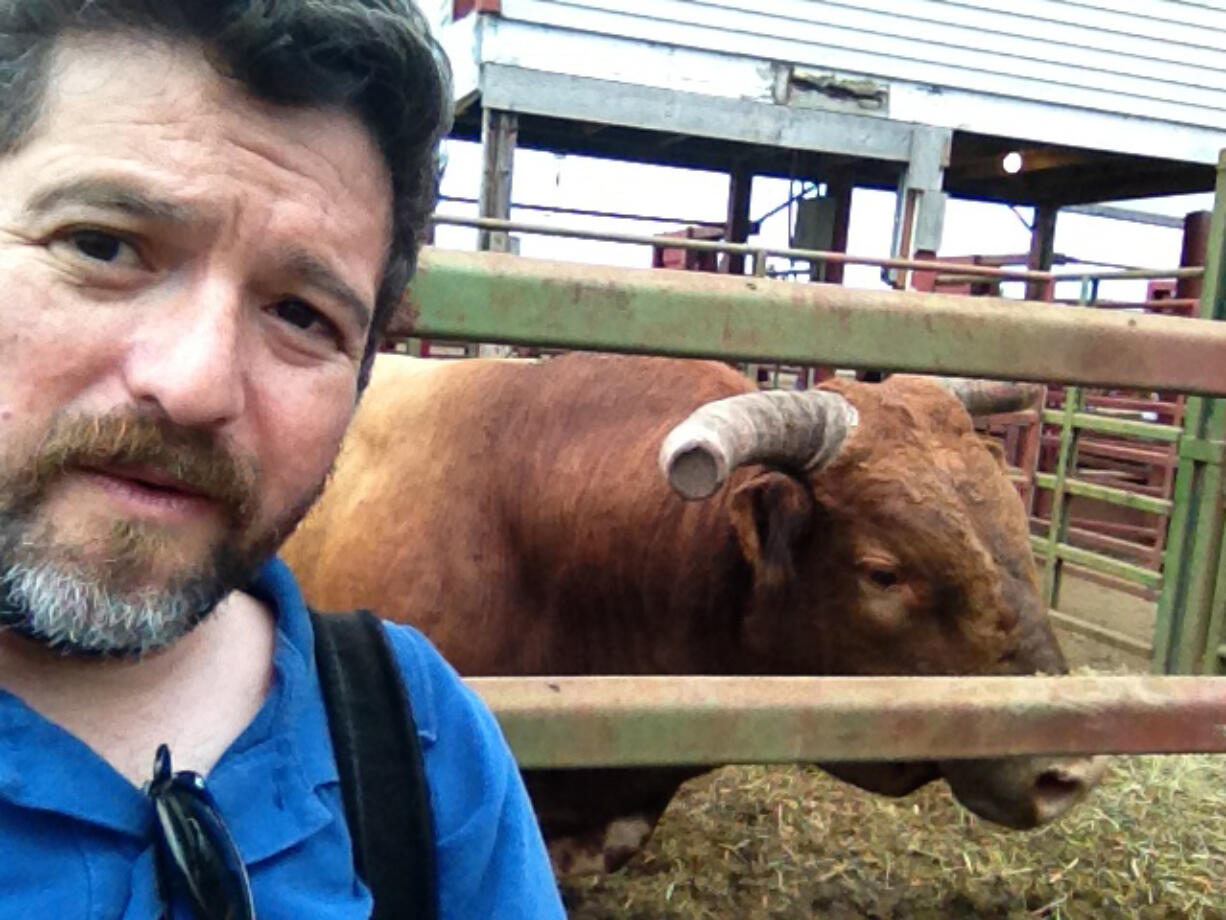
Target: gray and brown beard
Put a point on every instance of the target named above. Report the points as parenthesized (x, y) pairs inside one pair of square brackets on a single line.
[(93, 599)]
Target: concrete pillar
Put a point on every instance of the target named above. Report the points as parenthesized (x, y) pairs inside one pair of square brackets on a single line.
[(499, 132), (919, 217)]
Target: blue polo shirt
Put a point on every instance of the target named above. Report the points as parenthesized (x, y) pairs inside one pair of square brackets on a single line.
[(77, 836)]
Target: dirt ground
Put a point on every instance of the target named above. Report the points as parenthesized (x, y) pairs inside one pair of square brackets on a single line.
[(790, 842), (1116, 610)]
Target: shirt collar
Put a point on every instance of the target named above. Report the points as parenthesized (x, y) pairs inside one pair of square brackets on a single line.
[(267, 783)]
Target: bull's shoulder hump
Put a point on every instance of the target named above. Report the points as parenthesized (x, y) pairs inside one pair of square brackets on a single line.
[(403, 370), (400, 382)]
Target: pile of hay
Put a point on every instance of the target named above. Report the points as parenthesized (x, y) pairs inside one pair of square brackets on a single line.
[(783, 842)]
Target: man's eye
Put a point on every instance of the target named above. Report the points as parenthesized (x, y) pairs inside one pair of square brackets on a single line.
[(100, 246), (304, 316)]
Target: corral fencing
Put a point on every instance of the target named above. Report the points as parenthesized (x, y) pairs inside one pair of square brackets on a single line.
[(492, 297), (1059, 542)]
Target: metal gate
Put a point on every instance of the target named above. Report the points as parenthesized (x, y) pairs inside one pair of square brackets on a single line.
[(490, 297)]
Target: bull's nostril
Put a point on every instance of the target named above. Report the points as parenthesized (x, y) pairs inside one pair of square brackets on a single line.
[(1023, 792), (1055, 792), (1057, 783)]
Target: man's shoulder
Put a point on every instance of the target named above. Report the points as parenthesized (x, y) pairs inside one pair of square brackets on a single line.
[(491, 857), (439, 698), (468, 763)]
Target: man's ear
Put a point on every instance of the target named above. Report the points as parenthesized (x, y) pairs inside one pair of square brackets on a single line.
[(771, 514)]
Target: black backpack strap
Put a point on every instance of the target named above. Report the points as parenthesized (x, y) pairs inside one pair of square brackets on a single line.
[(379, 761)]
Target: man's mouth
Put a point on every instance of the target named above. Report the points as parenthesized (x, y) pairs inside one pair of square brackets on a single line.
[(149, 492), (150, 478)]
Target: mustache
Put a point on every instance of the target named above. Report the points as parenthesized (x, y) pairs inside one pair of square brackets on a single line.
[(194, 458)]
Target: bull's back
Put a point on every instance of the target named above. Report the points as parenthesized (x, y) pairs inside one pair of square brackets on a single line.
[(471, 498), (404, 496)]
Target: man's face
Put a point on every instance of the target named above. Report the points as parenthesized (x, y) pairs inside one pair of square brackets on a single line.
[(186, 281)]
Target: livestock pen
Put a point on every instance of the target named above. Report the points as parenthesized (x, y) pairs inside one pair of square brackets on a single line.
[(660, 305), (602, 721)]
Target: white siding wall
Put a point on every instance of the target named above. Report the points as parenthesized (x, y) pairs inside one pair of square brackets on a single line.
[(437, 11), (1155, 60)]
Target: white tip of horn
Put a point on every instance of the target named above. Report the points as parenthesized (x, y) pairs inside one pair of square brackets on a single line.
[(693, 463), (798, 431)]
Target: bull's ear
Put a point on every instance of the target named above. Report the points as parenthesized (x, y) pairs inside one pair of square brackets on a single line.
[(994, 448), (771, 513)]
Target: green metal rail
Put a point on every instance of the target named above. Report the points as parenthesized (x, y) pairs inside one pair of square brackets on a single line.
[(1121, 497), (636, 721), (1117, 426), (760, 253), (1103, 635), (1054, 549), (1086, 559), (490, 297)]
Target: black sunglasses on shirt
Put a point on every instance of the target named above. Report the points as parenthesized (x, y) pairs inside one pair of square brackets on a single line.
[(197, 859)]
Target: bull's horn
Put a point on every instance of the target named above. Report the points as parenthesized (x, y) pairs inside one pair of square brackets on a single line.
[(804, 430), (988, 397)]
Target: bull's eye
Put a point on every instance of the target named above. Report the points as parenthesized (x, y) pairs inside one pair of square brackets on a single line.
[(883, 578)]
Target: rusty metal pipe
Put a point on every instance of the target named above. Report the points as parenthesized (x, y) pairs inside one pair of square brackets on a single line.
[(640, 721), (809, 255), (488, 297)]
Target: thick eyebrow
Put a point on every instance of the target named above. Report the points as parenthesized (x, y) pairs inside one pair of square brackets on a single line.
[(110, 195), (308, 269)]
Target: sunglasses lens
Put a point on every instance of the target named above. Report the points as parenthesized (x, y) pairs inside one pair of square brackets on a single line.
[(200, 858)]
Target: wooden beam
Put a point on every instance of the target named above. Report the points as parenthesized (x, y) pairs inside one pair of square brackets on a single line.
[(745, 121)]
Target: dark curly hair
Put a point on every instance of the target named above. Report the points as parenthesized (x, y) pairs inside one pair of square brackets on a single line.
[(376, 58)]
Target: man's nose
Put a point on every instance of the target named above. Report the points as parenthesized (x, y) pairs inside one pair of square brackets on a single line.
[(187, 357)]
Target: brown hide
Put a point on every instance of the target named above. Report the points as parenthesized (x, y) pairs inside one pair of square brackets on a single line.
[(484, 500), (924, 540), (515, 513)]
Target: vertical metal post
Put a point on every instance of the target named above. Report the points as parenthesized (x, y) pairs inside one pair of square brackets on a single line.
[(841, 191), (1042, 250), (740, 187), (1194, 570), (499, 133), (1196, 228), (1213, 659), (1066, 465)]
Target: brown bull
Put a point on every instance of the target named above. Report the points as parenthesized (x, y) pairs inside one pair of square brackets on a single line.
[(517, 513)]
